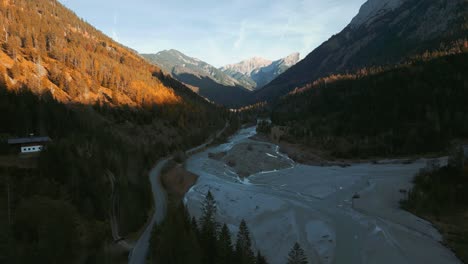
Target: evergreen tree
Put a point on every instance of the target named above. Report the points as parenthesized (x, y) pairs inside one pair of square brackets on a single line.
[(244, 253), (174, 242), (51, 237), (208, 229), (260, 259), (297, 255), (456, 160), (209, 210), (225, 250), (194, 226)]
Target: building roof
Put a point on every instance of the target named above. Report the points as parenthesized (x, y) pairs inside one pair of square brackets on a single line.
[(13, 141)]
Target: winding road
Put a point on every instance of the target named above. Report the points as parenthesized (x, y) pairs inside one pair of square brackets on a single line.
[(140, 250)]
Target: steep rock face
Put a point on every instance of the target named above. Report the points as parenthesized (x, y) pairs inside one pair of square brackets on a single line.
[(372, 10), (201, 77), (248, 66), (175, 62), (384, 32), (256, 72), (267, 74)]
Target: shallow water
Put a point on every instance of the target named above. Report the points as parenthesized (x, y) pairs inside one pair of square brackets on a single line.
[(314, 206)]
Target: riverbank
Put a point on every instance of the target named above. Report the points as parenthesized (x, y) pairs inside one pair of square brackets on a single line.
[(139, 252), (308, 155), (177, 181), (318, 207), (440, 196)]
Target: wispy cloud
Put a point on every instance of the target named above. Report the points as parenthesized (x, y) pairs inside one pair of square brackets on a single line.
[(220, 32), (240, 39), (115, 34)]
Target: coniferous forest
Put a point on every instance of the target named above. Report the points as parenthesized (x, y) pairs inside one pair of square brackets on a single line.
[(111, 116), (46, 47), (415, 108), (181, 239), (440, 195), (69, 188)]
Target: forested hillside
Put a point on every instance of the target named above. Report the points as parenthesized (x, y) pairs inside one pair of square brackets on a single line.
[(48, 48), (110, 115), (415, 107), (385, 36), (91, 145), (440, 195)]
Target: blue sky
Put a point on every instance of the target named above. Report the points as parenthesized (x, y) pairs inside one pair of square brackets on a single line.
[(219, 32)]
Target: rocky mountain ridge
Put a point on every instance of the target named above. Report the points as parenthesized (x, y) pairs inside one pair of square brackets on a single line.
[(385, 32)]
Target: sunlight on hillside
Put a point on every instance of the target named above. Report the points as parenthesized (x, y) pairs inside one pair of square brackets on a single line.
[(48, 48)]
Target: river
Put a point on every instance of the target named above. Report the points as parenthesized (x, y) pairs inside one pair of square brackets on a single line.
[(314, 206)]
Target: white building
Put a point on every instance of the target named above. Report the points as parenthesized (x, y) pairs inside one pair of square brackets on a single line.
[(30, 144)]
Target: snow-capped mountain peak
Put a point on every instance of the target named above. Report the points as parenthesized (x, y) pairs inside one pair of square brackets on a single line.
[(372, 10)]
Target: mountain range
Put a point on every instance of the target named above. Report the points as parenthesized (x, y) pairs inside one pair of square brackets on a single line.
[(201, 77), (384, 32), (256, 72), (112, 114), (229, 85)]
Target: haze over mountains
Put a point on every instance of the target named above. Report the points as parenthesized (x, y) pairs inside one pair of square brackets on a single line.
[(229, 85)]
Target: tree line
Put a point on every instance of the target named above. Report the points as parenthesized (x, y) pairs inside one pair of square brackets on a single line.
[(184, 239), (70, 187), (416, 108), (440, 194)]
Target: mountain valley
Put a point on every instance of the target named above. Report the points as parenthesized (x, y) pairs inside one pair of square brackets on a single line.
[(356, 152)]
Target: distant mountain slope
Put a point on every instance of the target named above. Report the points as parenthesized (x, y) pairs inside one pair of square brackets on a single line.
[(384, 32), (256, 72), (48, 48), (173, 62), (417, 107), (203, 78)]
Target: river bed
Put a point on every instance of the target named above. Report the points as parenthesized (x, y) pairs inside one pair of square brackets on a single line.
[(314, 206)]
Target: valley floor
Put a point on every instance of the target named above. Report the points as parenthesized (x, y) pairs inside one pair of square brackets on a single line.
[(314, 206)]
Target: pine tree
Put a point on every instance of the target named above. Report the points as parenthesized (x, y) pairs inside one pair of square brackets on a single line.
[(194, 225), (174, 242), (225, 250), (297, 255), (209, 210), (260, 259), (244, 253), (208, 229)]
